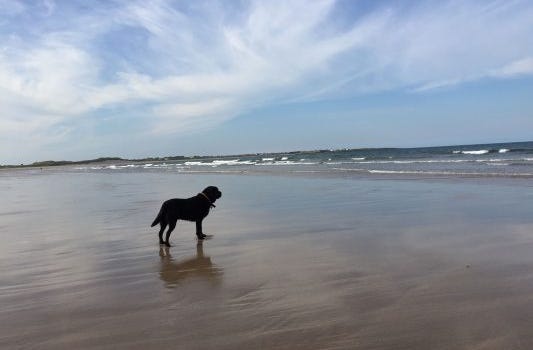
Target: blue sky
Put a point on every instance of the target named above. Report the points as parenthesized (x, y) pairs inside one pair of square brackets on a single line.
[(83, 79)]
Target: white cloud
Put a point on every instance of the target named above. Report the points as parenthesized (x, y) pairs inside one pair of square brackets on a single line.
[(181, 117), (198, 66), (516, 68)]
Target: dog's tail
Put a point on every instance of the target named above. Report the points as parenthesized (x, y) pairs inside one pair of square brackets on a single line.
[(158, 218)]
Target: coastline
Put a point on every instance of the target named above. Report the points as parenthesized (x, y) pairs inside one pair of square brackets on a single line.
[(454, 149)]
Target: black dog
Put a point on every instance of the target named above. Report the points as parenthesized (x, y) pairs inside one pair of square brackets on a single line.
[(191, 209)]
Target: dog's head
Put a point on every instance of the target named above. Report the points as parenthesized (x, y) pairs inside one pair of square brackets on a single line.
[(212, 193)]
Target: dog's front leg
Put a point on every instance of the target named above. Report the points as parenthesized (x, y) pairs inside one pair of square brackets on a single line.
[(199, 232)]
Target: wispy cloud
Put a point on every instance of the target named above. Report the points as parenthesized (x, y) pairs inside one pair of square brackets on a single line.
[(197, 64), (515, 68)]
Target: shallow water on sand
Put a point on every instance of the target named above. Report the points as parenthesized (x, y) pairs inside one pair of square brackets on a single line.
[(295, 263)]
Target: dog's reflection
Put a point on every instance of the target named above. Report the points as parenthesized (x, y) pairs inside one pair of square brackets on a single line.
[(200, 267)]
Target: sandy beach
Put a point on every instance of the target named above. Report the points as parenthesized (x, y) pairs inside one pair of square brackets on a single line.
[(296, 262)]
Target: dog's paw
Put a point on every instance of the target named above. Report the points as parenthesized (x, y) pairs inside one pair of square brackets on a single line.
[(202, 237)]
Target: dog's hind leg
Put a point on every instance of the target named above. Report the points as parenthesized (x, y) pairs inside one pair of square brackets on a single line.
[(163, 224), (171, 226)]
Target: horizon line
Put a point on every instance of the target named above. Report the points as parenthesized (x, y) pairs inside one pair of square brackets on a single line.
[(158, 158)]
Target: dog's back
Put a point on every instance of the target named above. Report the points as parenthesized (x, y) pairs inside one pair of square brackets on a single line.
[(190, 209)]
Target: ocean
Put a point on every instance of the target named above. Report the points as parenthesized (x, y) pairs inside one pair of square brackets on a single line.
[(481, 160)]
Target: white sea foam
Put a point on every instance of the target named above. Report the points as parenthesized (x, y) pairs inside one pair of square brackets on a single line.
[(416, 161), (424, 161), (342, 162), (219, 162), (117, 167), (494, 160), (188, 171), (481, 151), (284, 158), (267, 159), (503, 150), (426, 172), (225, 162), (287, 162), (359, 158)]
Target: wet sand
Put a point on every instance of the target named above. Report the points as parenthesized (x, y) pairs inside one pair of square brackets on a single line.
[(295, 263)]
